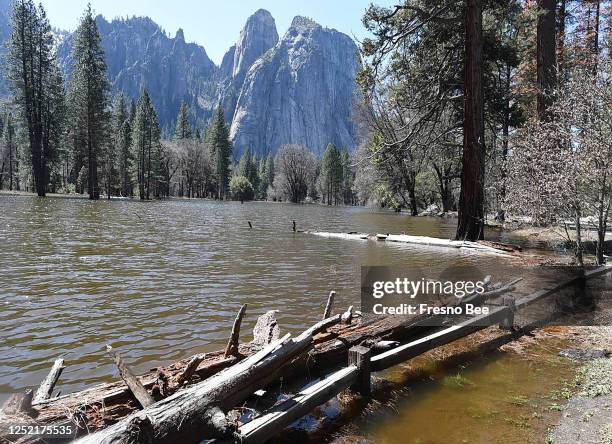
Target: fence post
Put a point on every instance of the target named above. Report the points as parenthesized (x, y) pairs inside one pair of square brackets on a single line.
[(359, 356), (508, 322)]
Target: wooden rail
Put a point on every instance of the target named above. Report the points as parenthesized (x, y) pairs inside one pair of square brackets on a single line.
[(269, 424), (276, 419)]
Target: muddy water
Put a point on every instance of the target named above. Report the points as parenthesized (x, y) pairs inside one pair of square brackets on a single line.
[(498, 398), (163, 280)]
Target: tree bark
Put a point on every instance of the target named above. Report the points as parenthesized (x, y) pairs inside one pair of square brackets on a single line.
[(471, 200), (546, 57)]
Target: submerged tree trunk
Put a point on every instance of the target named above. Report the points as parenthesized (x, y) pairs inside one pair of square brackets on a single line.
[(471, 201)]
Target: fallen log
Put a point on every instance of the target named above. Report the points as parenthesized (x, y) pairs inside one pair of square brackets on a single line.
[(105, 404), (495, 248), (193, 413), (269, 424)]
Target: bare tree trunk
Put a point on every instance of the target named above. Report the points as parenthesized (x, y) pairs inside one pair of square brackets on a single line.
[(546, 59), (579, 252), (471, 200), (413, 200)]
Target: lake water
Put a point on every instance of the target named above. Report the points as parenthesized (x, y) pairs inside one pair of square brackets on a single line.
[(163, 280)]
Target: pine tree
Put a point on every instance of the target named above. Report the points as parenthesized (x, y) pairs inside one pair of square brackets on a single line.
[(34, 78), (122, 133), (145, 144), (89, 97), (347, 177), (331, 174), (221, 148), (471, 199), (248, 167), (183, 128)]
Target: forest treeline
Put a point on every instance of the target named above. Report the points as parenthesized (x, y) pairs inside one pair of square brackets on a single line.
[(73, 137), (497, 107)]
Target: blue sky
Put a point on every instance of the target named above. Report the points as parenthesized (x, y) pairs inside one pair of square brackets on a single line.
[(216, 24)]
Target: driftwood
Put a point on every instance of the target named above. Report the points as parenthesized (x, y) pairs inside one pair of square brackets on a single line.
[(135, 386), (46, 387), (190, 369), (265, 426), (266, 329), (495, 248), (104, 404), (193, 413), (329, 305), (232, 345)]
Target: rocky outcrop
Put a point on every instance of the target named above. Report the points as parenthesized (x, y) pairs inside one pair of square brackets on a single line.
[(298, 90), (140, 55), (258, 36), (301, 91)]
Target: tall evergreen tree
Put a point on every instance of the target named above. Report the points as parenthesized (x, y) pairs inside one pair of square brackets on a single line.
[(347, 177), (331, 174), (471, 199), (89, 101), (221, 148), (183, 128), (122, 132), (34, 78), (145, 144), (248, 167)]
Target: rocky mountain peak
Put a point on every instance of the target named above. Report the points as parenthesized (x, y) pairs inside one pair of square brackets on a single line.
[(301, 92), (258, 35), (180, 36), (303, 24)]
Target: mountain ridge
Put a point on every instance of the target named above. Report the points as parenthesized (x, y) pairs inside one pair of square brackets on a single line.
[(140, 54)]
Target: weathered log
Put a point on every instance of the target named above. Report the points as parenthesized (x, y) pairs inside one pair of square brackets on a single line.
[(272, 422), (491, 248), (266, 329), (20, 403), (189, 370), (135, 386), (329, 305), (232, 345), (46, 386), (184, 416), (105, 404), (347, 316)]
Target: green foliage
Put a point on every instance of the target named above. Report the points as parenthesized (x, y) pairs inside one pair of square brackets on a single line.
[(248, 167), (89, 102), (145, 145), (241, 188), (183, 127), (331, 175), (221, 150), (596, 378), (38, 87)]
